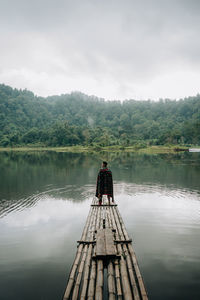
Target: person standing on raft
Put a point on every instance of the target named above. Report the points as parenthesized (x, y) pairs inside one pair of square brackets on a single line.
[(104, 183)]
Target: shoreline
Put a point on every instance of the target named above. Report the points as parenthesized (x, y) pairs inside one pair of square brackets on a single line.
[(90, 149)]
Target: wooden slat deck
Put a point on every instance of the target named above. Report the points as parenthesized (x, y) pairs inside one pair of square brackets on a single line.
[(105, 244)]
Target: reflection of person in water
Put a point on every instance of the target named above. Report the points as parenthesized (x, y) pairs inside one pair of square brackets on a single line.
[(104, 183)]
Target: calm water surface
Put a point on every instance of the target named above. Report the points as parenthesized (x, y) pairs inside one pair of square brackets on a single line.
[(44, 202)]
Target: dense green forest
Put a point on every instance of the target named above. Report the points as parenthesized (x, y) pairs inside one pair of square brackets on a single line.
[(78, 119)]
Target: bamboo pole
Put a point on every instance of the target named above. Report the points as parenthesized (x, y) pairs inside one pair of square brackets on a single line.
[(131, 274), (73, 272), (90, 227), (98, 217), (124, 277), (79, 275), (99, 265), (123, 269), (94, 223), (111, 282), (83, 260), (132, 263), (106, 217), (118, 281), (124, 236), (109, 218), (138, 274), (86, 225), (77, 259), (91, 286), (121, 234), (113, 225), (99, 281), (101, 218), (116, 262), (92, 277), (88, 260), (86, 273), (99, 274), (135, 264), (128, 259), (122, 225)]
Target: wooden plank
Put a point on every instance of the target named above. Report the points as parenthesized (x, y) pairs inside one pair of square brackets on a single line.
[(109, 242), (100, 244), (105, 243)]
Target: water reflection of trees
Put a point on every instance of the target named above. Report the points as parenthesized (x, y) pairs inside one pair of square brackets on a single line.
[(73, 175)]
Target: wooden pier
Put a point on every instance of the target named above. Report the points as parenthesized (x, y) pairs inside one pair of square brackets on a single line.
[(105, 266)]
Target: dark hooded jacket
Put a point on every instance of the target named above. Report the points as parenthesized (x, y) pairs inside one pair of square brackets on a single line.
[(104, 182)]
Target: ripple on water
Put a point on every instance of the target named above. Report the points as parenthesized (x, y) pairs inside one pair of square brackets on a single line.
[(163, 222), (69, 192)]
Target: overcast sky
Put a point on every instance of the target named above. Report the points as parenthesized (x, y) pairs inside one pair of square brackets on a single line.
[(115, 49)]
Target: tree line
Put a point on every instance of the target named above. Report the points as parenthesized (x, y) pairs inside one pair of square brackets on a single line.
[(78, 119)]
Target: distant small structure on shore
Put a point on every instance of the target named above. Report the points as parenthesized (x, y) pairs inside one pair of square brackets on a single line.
[(194, 150), (187, 149)]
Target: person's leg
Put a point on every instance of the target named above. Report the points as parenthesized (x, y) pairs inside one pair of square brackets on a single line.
[(108, 199), (100, 199)]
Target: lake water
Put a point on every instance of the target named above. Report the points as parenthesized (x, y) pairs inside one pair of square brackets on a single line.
[(44, 202)]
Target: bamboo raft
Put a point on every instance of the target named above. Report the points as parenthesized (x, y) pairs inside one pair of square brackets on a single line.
[(105, 266)]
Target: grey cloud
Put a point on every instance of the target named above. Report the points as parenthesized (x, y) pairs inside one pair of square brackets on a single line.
[(124, 41)]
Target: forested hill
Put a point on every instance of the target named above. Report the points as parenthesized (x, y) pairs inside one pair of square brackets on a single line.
[(76, 118)]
